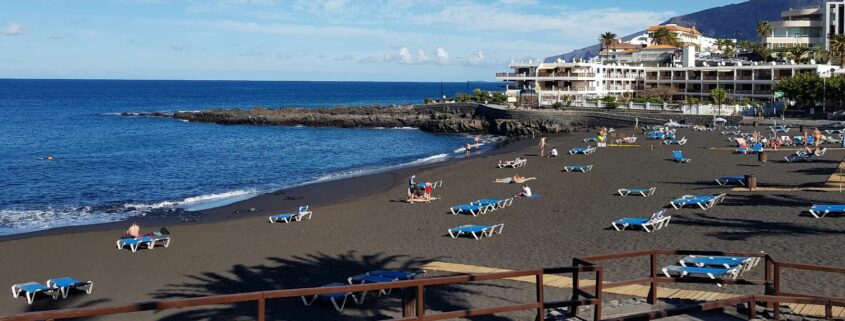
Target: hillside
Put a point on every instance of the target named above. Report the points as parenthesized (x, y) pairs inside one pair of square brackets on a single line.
[(719, 22)]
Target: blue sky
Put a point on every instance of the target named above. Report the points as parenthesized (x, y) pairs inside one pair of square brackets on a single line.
[(390, 40)]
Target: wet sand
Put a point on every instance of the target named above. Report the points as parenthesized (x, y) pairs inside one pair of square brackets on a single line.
[(361, 224)]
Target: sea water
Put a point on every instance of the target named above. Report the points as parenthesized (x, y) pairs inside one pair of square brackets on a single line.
[(108, 167)]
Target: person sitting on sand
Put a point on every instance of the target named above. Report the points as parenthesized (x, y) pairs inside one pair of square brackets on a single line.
[(553, 153), (526, 192)]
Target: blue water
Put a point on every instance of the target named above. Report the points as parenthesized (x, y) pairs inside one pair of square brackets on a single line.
[(108, 167)]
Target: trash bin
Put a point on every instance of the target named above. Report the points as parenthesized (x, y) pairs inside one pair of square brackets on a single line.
[(763, 157), (751, 181)]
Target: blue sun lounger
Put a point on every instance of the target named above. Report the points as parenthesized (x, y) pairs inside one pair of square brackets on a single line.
[(591, 139), (149, 242), (705, 202), (473, 209), (578, 168), (65, 284), (681, 141), (582, 150), (731, 179), (679, 271), (434, 185), (745, 263), (494, 203), (820, 210), (645, 192), (477, 231), (678, 156), (337, 299), (381, 276), (656, 135), (30, 289), (655, 222), (290, 217)]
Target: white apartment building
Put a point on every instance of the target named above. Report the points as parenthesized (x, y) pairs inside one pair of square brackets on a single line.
[(580, 80), (808, 26)]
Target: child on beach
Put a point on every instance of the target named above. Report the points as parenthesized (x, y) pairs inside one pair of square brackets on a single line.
[(542, 146)]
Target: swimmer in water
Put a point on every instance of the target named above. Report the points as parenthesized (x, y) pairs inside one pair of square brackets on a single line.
[(46, 158)]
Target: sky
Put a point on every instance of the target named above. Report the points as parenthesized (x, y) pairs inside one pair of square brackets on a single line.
[(373, 40)]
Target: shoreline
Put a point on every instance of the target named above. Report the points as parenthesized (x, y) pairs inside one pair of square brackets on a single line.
[(291, 197)]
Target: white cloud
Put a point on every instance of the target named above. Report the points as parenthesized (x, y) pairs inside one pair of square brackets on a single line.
[(331, 6), (405, 55), (571, 23), (344, 58), (476, 58), (14, 29), (442, 56)]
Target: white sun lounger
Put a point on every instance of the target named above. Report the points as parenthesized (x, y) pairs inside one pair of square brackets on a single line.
[(148, 241), (655, 222), (705, 202), (645, 192), (303, 213), (65, 284), (477, 231), (30, 289)]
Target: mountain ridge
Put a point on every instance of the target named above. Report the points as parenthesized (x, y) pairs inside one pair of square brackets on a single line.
[(728, 21)]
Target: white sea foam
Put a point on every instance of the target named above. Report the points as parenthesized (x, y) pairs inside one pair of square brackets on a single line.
[(195, 200), (21, 221)]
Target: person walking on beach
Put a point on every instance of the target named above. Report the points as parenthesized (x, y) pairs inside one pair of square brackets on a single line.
[(412, 183), (543, 146)]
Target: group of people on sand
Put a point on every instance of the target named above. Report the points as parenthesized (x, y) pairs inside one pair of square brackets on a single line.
[(419, 192), (775, 142)]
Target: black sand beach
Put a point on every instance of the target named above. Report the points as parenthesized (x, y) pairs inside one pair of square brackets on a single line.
[(360, 224)]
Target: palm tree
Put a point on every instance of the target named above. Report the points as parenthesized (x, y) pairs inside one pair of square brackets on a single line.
[(799, 53), (664, 36), (837, 45), (607, 40), (762, 51), (764, 29), (745, 45)]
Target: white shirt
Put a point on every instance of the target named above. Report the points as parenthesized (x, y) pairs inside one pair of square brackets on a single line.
[(526, 191), (554, 151)]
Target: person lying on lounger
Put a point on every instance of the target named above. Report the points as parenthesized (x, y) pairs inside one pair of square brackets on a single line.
[(526, 192), (516, 179), (134, 231)]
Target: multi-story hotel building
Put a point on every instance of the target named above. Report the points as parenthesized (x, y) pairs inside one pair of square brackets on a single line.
[(580, 80), (810, 26)]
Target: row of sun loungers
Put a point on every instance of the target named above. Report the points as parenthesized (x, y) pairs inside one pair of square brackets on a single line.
[(661, 135), (476, 231), (481, 206), (339, 299), (54, 288), (756, 148)]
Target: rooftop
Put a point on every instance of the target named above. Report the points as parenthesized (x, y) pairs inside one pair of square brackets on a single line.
[(675, 28)]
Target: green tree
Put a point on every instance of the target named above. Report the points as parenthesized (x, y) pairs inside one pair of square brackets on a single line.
[(428, 101), (664, 36), (805, 88), (823, 56), (761, 52), (799, 53), (462, 97), (745, 45), (607, 40), (719, 95), (764, 29), (837, 45)]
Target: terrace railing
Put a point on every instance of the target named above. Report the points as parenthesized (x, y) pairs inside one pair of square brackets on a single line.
[(414, 303)]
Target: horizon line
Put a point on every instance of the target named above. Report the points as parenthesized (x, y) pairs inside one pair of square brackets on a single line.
[(253, 80)]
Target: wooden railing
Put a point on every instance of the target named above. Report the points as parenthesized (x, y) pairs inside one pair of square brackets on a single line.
[(413, 298), (414, 303)]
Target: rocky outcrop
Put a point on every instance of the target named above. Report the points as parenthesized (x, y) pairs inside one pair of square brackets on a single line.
[(433, 120)]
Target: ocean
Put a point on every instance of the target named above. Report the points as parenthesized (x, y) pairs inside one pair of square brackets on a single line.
[(108, 167)]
